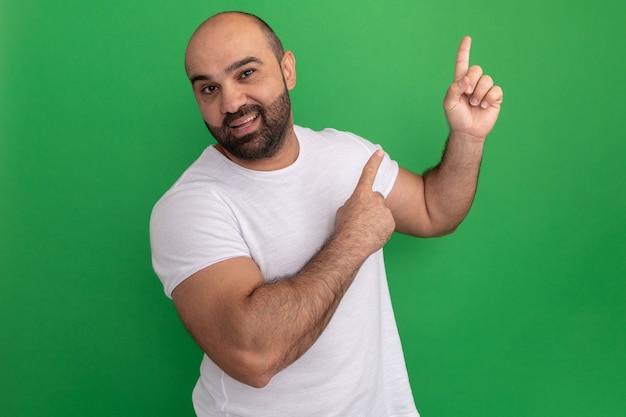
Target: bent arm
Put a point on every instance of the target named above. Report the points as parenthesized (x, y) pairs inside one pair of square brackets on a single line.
[(252, 329), (435, 203)]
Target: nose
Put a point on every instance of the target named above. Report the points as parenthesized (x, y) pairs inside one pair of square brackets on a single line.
[(232, 99)]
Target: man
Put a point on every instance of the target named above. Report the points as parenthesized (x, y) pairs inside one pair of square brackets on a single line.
[(270, 244)]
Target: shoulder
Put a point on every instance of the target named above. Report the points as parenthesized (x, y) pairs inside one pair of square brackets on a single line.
[(200, 182), (197, 197), (335, 139), (347, 153)]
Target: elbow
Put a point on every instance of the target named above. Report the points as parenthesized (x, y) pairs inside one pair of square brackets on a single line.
[(444, 227), (444, 231), (251, 368), (430, 231), (256, 378), (258, 382)]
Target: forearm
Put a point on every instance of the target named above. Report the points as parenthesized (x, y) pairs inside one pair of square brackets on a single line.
[(280, 321), (450, 187), (252, 329), (472, 105)]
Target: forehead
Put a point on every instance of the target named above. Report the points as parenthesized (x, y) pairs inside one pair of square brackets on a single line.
[(217, 44)]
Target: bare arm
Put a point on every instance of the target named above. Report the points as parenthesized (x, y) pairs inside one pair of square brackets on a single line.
[(435, 204), (253, 329)]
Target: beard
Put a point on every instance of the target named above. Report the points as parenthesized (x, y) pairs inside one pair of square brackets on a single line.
[(267, 140)]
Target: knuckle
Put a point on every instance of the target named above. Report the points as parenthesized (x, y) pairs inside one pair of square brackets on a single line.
[(487, 79), (476, 70)]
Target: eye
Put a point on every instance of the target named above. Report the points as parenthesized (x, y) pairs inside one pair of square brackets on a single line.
[(209, 89), (246, 73)]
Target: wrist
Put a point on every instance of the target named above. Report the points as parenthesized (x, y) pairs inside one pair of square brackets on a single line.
[(349, 249), (467, 139)]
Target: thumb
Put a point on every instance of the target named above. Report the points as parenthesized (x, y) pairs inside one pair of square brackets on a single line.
[(454, 93)]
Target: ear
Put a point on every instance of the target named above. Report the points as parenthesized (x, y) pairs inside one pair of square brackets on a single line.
[(288, 67)]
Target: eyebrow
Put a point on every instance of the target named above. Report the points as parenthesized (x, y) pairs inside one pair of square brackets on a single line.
[(229, 69)]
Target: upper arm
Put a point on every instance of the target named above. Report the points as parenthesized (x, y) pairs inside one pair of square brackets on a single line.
[(211, 305), (408, 204)]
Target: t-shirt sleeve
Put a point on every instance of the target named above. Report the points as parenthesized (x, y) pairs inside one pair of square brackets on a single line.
[(191, 230), (386, 176), (388, 170)]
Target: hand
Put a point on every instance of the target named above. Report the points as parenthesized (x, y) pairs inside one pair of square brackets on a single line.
[(472, 103), (364, 219)]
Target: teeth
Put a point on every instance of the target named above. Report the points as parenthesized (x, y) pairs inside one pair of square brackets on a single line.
[(249, 119)]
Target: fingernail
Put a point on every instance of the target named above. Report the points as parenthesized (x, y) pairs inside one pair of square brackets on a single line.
[(484, 104), (474, 101)]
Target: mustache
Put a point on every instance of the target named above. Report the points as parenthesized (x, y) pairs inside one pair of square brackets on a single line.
[(243, 111)]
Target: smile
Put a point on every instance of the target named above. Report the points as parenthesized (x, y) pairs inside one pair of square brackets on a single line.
[(246, 122)]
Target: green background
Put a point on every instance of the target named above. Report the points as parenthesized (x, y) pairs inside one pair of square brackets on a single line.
[(519, 313)]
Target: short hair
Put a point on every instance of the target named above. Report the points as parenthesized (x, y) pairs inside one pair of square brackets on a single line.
[(272, 39)]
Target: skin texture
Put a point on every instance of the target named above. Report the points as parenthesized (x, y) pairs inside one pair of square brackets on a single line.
[(253, 329)]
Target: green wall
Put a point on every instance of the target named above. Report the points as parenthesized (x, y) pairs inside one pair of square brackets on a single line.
[(519, 313)]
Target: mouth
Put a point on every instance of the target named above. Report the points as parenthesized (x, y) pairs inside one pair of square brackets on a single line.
[(245, 122)]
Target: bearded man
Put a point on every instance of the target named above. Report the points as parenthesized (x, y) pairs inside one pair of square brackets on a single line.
[(270, 244)]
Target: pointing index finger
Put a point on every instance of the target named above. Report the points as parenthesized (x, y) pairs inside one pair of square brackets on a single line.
[(462, 58), (371, 169)]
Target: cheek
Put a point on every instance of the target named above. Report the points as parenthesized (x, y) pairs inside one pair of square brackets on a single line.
[(210, 113), (264, 91)]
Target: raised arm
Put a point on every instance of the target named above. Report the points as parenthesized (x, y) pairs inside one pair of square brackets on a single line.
[(252, 329), (435, 203)]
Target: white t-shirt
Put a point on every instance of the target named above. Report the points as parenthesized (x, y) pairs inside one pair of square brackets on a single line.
[(219, 210)]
